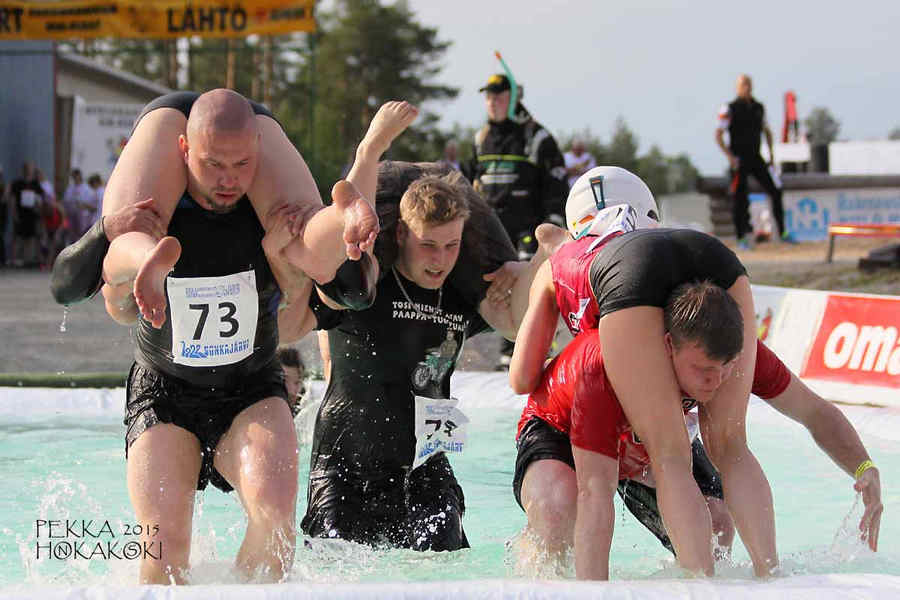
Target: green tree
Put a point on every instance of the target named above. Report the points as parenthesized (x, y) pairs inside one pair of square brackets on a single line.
[(821, 126), (365, 54), (663, 174), (682, 174), (653, 168), (623, 147), (894, 134)]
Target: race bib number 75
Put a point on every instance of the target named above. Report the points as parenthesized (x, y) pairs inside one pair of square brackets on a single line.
[(213, 318), (440, 427)]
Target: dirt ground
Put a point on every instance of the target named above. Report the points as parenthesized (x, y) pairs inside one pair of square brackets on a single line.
[(803, 266), (38, 336)]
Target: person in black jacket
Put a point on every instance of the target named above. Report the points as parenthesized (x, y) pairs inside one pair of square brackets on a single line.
[(745, 120), (519, 170)]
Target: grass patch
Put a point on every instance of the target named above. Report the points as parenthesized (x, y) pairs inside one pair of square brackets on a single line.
[(63, 380)]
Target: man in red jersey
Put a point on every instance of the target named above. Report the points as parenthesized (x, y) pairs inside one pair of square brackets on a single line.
[(573, 422)]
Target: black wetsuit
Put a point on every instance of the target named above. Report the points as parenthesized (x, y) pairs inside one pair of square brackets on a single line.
[(78, 270), (643, 267), (163, 385), (361, 486)]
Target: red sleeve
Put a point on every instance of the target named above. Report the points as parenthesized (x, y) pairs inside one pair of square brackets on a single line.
[(770, 376), (597, 417)]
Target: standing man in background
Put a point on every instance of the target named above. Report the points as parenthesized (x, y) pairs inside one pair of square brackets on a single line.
[(27, 196), (519, 170), (578, 161), (745, 120), (451, 155), (76, 195)]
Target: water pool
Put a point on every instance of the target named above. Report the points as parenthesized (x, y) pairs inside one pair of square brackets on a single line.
[(62, 458)]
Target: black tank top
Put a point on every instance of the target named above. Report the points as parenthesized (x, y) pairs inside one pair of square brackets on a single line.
[(745, 127), (216, 245), (381, 358)]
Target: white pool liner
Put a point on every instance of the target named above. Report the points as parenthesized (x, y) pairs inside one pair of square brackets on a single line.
[(812, 587)]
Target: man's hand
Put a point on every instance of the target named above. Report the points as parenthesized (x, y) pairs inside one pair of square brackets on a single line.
[(869, 485), (141, 216), (734, 161), (502, 282), (281, 221), (300, 218)]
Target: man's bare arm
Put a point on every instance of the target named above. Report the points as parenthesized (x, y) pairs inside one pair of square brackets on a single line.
[(839, 440)]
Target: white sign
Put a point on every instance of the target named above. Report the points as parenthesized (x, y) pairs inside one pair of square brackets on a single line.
[(99, 133)]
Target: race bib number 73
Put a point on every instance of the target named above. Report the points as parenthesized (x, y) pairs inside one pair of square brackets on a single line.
[(213, 318)]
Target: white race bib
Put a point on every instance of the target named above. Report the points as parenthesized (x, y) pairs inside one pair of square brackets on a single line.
[(440, 427), (213, 318), (28, 199)]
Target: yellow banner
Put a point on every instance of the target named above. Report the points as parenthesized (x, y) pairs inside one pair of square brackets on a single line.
[(67, 19)]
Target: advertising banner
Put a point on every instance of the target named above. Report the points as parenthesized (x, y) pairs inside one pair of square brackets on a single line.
[(69, 19), (808, 213), (857, 342)]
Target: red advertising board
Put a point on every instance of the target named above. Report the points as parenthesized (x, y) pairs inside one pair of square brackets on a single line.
[(858, 341)]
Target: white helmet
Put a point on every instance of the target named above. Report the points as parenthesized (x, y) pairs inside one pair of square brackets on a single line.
[(589, 207)]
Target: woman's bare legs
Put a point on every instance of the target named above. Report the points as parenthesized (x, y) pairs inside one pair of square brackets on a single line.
[(643, 378)]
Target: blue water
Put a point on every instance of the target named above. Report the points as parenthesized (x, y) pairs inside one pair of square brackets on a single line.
[(63, 466)]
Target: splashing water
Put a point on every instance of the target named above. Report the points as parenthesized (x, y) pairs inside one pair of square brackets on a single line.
[(62, 325)]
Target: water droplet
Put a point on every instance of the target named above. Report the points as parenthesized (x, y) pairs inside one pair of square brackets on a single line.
[(62, 326)]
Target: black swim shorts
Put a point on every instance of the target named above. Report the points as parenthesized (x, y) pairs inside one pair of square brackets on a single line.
[(538, 441), (641, 499), (153, 397)]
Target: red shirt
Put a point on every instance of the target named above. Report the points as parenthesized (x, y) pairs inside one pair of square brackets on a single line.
[(576, 398), (571, 268)]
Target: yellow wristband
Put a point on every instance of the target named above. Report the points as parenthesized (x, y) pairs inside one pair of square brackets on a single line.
[(863, 467)]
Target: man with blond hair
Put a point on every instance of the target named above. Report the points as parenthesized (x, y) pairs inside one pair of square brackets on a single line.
[(379, 472)]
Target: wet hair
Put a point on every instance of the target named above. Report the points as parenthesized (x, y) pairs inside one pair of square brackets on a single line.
[(485, 244), (94, 179), (433, 200), (288, 356), (704, 313)]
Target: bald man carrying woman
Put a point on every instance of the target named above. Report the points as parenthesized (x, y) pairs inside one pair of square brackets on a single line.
[(245, 234)]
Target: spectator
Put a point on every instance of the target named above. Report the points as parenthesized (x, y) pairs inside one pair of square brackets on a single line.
[(578, 161), (27, 196), (519, 170), (451, 155), (294, 375), (745, 120), (52, 219), (76, 196), (94, 204)]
